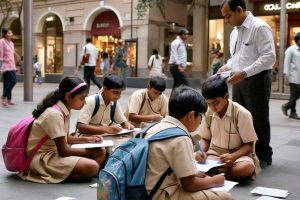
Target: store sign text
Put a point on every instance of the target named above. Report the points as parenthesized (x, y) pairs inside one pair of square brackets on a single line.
[(289, 6), (102, 25)]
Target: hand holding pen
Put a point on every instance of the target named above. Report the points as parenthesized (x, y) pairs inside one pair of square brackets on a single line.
[(200, 155)]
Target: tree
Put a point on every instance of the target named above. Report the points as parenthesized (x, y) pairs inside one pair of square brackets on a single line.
[(6, 8), (144, 5)]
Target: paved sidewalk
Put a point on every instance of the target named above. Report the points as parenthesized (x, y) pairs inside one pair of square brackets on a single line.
[(283, 174)]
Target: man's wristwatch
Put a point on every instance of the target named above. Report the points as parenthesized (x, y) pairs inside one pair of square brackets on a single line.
[(244, 74)]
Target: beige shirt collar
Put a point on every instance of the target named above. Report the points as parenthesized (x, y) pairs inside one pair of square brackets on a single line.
[(63, 108), (228, 111)]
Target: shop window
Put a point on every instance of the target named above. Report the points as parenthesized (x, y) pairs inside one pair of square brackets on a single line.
[(54, 45), (216, 39)]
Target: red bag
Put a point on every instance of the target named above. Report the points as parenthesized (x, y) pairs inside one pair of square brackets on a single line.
[(85, 57), (14, 150)]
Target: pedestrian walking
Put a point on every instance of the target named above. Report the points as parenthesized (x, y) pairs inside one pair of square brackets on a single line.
[(120, 60), (7, 66), (38, 71), (178, 59), (252, 57), (292, 77), (91, 55)]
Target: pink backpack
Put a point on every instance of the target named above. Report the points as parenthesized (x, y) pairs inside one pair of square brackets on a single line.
[(14, 150)]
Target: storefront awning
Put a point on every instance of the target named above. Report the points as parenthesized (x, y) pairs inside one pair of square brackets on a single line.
[(106, 23)]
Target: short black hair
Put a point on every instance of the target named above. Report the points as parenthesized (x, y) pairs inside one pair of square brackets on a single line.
[(185, 99), (297, 37), (214, 87), (88, 40), (233, 4), (154, 51), (113, 82), (158, 83), (183, 31)]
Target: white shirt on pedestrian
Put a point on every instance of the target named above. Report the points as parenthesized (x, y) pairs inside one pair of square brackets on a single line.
[(252, 47), (90, 49), (155, 65), (292, 64), (178, 52)]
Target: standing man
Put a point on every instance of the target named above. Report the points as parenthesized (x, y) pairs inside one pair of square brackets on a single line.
[(178, 59), (7, 66), (252, 57), (292, 77), (91, 52)]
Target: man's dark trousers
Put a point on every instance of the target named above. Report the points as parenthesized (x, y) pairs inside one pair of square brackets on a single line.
[(254, 94)]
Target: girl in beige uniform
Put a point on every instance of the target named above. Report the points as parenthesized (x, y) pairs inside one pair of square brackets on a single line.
[(56, 161)]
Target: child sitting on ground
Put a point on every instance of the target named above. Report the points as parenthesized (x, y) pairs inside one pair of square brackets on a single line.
[(109, 118), (56, 161), (186, 108), (148, 105), (227, 132)]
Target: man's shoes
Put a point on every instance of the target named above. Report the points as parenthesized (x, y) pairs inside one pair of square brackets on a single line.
[(294, 116), (284, 110)]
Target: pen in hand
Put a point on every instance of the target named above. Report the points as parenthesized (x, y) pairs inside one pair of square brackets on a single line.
[(199, 147)]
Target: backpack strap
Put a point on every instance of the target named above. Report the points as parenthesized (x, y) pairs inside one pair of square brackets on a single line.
[(97, 105), (113, 110), (160, 181), (44, 139)]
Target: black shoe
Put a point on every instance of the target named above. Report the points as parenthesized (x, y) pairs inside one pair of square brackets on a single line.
[(284, 110), (294, 116)]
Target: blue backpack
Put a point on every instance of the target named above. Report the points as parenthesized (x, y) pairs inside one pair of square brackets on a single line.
[(123, 176)]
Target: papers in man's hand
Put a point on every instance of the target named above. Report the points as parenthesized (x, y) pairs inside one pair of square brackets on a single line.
[(223, 74), (270, 192), (66, 198), (228, 185), (205, 167), (104, 143)]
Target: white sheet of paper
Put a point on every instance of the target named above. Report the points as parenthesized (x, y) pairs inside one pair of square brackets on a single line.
[(66, 198), (228, 185), (124, 131), (223, 74), (94, 185), (267, 198), (104, 143), (273, 192), (207, 165)]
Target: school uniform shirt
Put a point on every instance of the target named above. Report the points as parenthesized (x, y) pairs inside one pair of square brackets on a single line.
[(157, 106), (224, 135), (292, 64), (252, 47), (47, 166), (221, 129), (102, 117), (176, 153)]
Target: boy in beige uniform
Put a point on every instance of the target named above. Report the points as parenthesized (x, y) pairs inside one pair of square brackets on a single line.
[(101, 123), (186, 108), (148, 105), (227, 133)]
